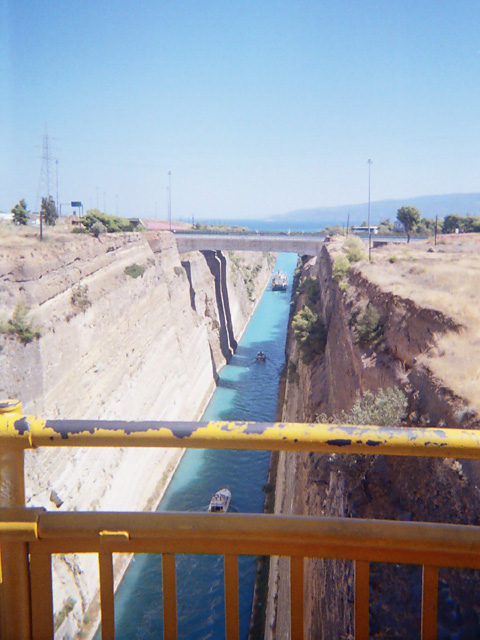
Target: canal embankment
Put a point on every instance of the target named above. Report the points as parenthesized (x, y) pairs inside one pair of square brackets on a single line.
[(390, 324), (127, 329)]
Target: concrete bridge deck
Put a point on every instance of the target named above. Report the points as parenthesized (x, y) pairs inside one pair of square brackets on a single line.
[(302, 244)]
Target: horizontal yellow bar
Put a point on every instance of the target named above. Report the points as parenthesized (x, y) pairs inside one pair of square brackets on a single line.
[(18, 531), (28, 431), (18, 524), (355, 539)]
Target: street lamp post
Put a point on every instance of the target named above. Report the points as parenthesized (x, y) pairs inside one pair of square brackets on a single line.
[(369, 227), (56, 175), (170, 200)]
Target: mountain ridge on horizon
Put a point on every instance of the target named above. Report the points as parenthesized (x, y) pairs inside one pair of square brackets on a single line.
[(429, 207)]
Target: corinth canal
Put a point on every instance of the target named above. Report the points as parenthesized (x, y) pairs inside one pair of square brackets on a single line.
[(246, 390)]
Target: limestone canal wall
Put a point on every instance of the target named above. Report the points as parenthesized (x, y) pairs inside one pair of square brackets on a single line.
[(385, 487), (131, 330)]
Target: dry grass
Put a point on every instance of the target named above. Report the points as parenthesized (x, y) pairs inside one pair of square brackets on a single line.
[(444, 278), (26, 236)]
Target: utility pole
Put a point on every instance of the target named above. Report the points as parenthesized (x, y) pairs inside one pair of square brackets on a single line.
[(45, 174), (170, 200), (369, 228), (46, 164), (56, 175)]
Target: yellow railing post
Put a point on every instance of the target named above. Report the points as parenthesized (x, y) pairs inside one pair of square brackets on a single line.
[(14, 588)]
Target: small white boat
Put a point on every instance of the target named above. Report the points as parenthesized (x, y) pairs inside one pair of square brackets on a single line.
[(279, 281), (220, 501)]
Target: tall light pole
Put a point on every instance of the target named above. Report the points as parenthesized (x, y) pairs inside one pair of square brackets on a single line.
[(170, 200), (56, 175), (369, 228)]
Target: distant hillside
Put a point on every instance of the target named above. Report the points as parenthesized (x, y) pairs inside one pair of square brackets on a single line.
[(429, 207)]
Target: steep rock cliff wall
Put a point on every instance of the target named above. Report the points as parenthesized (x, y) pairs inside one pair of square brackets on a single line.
[(115, 346), (371, 486)]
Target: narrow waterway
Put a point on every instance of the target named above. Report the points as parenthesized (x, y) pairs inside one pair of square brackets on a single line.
[(247, 390)]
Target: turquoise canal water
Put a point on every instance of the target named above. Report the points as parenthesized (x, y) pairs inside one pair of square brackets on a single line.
[(247, 390)]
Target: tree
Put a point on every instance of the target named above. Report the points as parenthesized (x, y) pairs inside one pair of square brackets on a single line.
[(110, 224), (409, 217), (385, 226), (20, 213), (48, 211), (465, 224)]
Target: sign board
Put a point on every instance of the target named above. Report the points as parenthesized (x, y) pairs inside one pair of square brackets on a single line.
[(76, 204)]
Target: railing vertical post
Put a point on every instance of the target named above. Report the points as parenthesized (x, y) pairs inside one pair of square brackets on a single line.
[(362, 595), (429, 602), (15, 607), (231, 597), (296, 597), (169, 586)]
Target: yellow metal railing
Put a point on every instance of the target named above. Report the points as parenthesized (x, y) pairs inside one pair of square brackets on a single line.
[(28, 537)]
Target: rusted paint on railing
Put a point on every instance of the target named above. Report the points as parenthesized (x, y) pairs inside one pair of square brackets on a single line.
[(25, 432)]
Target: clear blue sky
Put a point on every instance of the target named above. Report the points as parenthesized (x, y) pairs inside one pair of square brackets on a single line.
[(257, 107)]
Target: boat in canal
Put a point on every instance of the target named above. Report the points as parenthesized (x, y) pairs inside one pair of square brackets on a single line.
[(261, 357), (220, 502), (279, 281)]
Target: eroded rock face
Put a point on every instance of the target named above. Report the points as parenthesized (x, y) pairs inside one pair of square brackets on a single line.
[(130, 330), (421, 489)]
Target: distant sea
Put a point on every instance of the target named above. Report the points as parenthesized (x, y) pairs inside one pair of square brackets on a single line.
[(272, 225)]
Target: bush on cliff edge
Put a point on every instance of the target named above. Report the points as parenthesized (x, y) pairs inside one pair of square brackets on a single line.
[(19, 326), (310, 333)]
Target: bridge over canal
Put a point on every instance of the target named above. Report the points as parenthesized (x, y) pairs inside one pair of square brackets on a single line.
[(302, 244)]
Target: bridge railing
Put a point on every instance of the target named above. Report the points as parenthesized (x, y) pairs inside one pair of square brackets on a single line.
[(29, 537)]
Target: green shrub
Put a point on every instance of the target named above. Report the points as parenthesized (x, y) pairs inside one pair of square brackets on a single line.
[(341, 267), (293, 376), (67, 608), (311, 289), (310, 333), (134, 270), (79, 230), (386, 409), (112, 224), (19, 325), (393, 258), (98, 228), (353, 248), (220, 228), (368, 327), (337, 230), (79, 297)]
